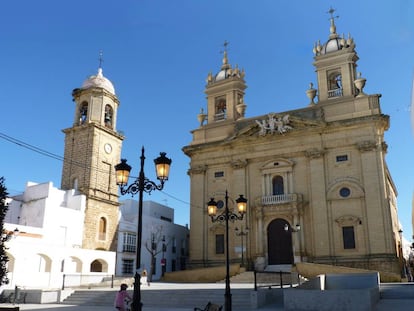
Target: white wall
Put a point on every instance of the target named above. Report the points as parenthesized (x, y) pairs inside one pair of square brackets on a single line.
[(50, 223)]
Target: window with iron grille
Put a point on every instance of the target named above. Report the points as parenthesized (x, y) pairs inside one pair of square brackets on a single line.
[(127, 266), (129, 244)]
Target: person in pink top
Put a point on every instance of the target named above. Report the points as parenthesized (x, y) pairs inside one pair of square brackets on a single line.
[(121, 297)]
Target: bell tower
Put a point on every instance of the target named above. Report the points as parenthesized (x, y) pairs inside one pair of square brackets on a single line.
[(225, 93), (335, 64), (92, 149)]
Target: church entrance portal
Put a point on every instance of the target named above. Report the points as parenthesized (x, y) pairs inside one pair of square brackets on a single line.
[(279, 243)]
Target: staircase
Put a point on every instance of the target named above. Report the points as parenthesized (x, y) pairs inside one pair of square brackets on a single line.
[(185, 298)]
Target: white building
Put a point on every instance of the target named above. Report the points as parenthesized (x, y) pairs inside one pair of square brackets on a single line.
[(48, 245), (50, 225), (166, 240)]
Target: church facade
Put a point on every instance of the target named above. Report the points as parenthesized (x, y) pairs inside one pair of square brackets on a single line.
[(316, 179)]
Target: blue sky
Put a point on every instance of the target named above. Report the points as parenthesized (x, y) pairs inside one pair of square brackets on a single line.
[(158, 53)]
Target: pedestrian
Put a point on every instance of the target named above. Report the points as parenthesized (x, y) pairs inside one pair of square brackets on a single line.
[(122, 297), (145, 277)]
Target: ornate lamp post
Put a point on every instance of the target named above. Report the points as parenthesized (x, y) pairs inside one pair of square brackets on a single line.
[(289, 228), (141, 184), (242, 233), (241, 203)]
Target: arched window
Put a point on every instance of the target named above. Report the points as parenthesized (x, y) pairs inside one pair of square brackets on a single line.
[(83, 112), (108, 116), (277, 183), (102, 228), (335, 84), (221, 109), (75, 184), (96, 266)]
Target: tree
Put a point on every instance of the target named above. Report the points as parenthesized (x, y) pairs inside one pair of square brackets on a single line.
[(154, 247), (4, 236)]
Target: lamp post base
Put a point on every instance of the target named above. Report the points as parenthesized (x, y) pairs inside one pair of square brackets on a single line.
[(136, 299), (227, 301)]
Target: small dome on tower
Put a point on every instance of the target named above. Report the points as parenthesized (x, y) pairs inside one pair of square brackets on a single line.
[(226, 70), (332, 45), (99, 80), (335, 41)]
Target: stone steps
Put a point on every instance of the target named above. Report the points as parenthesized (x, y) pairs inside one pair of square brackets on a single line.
[(185, 298)]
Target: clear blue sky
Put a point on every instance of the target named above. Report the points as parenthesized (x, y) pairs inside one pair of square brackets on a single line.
[(158, 53)]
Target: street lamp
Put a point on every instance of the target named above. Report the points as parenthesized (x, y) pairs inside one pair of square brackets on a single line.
[(289, 228), (242, 234), (141, 184), (241, 203)]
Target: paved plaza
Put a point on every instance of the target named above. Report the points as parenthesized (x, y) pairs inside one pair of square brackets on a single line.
[(383, 305)]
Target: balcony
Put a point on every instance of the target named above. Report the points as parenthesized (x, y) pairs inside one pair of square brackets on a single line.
[(220, 116), (335, 93), (279, 199)]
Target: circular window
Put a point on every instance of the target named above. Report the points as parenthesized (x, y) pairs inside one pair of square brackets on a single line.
[(220, 204), (344, 192)]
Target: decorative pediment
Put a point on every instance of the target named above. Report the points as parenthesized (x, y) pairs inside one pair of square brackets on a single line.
[(348, 220), (345, 188), (278, 163), (275, 125), (217, 228)]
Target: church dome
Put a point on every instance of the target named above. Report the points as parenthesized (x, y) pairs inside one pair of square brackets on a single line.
[(99, 80), (226, 70), (331, 45), (222, 74)]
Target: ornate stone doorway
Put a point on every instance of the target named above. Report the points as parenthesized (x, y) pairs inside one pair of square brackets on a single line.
[(279, 243)]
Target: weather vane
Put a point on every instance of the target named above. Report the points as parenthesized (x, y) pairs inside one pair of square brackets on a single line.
[(225, 44), (331, 12)]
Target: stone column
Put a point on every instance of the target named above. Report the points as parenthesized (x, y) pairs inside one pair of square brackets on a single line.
[(317, 203), (198, 216), (379, 221)]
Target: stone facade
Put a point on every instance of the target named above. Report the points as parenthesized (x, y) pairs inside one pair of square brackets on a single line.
[(321, 167), (92, 149)]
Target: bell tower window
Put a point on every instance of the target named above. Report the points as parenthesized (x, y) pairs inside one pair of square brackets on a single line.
[(334, 84), (83, 113), (102, 229), (108, 116), (220, 109)]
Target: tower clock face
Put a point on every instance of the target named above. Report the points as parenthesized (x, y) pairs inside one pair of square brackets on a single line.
[(108, 148)]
